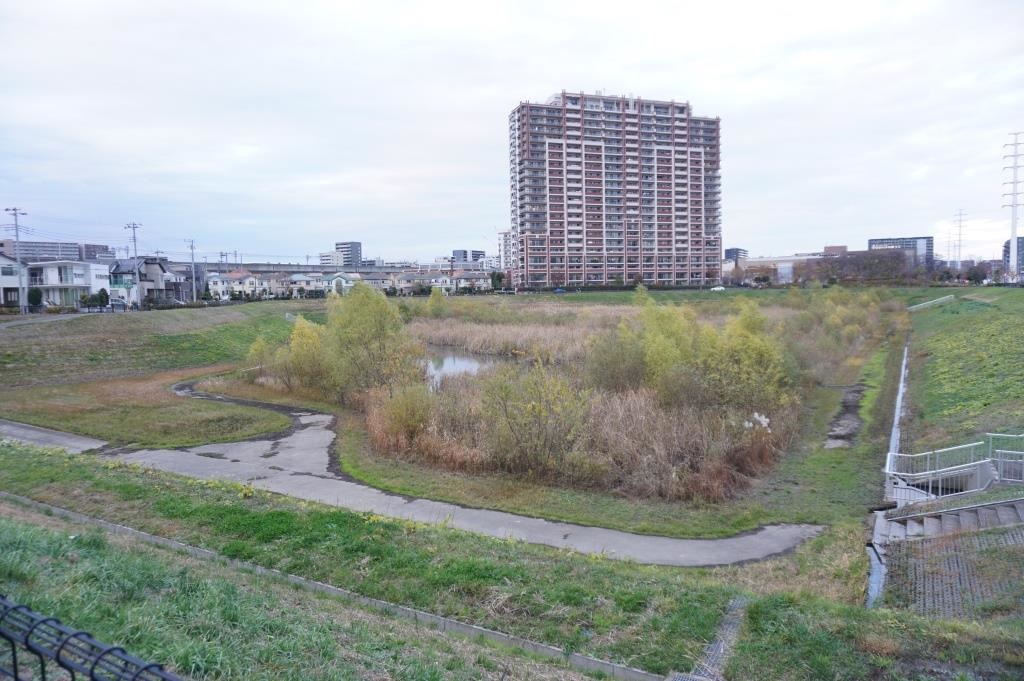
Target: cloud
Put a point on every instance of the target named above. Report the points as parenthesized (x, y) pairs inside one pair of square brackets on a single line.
[(283, 128)]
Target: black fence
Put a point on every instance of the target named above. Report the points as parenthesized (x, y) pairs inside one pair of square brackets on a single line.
[(37, 647)]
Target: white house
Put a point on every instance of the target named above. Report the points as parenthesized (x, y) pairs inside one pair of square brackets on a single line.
[(340, 282), (9, 268), (64, 282)]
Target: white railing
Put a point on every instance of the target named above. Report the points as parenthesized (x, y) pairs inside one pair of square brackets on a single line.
[(929, 303), (954, 470), (939, 459), (1009, 465)]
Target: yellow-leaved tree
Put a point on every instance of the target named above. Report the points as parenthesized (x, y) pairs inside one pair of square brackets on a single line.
[(367, 343)]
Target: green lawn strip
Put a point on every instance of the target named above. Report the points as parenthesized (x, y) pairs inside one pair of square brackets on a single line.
[(651, 617), (226, 343), (181, 424), (968, 360), (804, 638), (208, 622), (138, 411)]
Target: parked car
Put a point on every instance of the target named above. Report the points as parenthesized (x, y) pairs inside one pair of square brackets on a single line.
[(717, 288)]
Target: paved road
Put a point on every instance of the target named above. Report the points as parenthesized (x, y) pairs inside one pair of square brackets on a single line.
[(44, 437), (296, 465)]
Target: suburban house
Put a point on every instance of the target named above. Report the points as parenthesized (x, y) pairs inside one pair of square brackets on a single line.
[(136, 280), (475, 281), (303, 284), (415, 282), (64, 282), (340, 282), (9, 280)]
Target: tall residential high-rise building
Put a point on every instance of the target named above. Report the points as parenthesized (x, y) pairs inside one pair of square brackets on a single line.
[(505, 250), (922, 246), (611, 190)]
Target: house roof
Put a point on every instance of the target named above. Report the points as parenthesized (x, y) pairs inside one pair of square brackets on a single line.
[(130, 265)]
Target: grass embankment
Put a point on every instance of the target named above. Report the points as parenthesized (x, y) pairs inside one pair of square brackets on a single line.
[(91, 347), (140, 411), (654, 618), (806, 638), (651, 617), (967, 366), (92, 375), (203, 620)]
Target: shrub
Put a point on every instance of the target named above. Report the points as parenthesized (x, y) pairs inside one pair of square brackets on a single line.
[(401, 418), (35, 297), (436, 304), (367, 344), (615, 361), (533, 420)]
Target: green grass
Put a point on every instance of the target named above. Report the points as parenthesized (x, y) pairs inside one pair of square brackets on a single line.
[(803, 638), (138, 411), (652, 617), (208, 622), (967, 368), (91, 347)]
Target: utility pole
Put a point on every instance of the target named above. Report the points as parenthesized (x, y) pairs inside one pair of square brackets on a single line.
[(22, 302), (959, 238), (1014, 195), (135, 262), (192, 247)]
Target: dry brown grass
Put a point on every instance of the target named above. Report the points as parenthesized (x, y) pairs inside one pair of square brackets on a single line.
[(560, 343)]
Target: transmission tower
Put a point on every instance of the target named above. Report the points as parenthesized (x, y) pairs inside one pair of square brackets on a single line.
[(1014, 195), (960, 214)]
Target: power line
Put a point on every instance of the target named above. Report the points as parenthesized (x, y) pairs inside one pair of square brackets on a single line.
[(192, 247), (15, 211), (134, 226)]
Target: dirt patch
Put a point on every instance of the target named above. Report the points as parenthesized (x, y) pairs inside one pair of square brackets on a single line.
[(846, 424)]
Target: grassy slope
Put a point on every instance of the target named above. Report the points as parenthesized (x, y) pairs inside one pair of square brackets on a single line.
[(967, 366), (138, 411), (47, 366), (651, 617), (206, 621), (106, 346)]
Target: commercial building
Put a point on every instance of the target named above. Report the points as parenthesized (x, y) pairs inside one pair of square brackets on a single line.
[(345, 254), (736, 254), (460, 255), (608, 190), (922, 246)]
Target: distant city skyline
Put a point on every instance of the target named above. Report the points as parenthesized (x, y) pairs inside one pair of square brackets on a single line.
[(277, 132)]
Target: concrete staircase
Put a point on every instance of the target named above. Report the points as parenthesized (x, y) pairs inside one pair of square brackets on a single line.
[(940, 523)]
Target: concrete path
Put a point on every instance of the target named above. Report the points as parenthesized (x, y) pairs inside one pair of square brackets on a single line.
[(44, 437), (296, 464)]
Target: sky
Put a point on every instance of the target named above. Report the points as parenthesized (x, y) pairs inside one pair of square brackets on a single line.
[(277, 128)]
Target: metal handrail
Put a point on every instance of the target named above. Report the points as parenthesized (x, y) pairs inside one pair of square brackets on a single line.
[(47, 640)]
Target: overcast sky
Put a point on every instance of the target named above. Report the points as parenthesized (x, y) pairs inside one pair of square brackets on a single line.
[(278, 128)]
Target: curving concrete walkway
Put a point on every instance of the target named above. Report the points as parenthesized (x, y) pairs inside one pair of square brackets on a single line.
[(296, 464)]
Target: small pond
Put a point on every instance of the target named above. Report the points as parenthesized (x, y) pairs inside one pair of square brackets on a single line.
[(443, 362)]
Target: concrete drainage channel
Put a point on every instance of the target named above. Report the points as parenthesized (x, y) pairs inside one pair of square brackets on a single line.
[(707, 669)]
